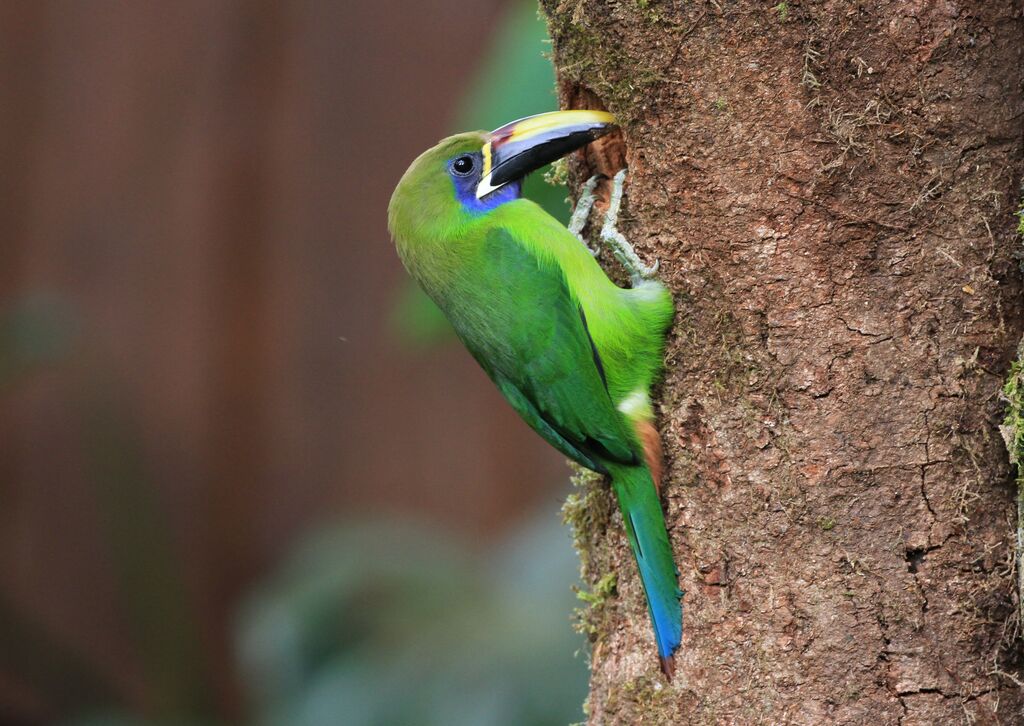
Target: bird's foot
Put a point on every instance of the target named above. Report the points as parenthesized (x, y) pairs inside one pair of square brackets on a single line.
[(579, 215), (623, 250)]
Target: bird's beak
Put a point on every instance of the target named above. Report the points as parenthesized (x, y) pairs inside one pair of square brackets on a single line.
[(518, 148)]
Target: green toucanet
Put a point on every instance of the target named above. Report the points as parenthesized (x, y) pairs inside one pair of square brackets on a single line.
[(573, 353)]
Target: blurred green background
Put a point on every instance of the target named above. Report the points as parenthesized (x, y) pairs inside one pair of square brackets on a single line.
[(246, 473)]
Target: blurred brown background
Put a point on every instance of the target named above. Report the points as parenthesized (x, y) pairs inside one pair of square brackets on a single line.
[(195, 269)]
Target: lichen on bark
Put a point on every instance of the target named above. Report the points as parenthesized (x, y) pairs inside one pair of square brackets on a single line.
[(1013, 433)]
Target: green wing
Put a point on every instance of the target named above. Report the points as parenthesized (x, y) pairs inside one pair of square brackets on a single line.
[(533, 341)]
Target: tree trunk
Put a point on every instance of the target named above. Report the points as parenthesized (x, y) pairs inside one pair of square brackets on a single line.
[(829, 188)]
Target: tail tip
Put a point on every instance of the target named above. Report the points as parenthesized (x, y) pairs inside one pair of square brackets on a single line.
[(668, 666)]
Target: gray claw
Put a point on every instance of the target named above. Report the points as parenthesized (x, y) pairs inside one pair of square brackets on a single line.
[(623, 250), (582, 212)]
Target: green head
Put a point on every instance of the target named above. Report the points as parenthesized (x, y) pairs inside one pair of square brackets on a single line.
[(471, 174)]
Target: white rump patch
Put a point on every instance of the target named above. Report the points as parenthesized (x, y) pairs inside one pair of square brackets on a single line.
[(636, 404)]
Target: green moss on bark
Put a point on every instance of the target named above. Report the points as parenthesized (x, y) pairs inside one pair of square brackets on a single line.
[(1013, 432), (587, 511), (590, 55)]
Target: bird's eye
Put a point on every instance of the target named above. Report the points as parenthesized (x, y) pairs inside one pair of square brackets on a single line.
[(463, 165)]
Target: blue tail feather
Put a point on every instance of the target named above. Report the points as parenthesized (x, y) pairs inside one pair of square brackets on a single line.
[(648, 538)]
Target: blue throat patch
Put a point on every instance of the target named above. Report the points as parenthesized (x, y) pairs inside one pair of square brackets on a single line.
[(465, 192)]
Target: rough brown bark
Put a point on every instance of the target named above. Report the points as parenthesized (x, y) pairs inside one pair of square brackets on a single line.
[(829, 188)]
